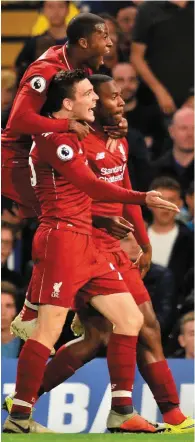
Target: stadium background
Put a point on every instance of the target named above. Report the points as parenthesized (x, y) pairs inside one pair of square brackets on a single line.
[(149, 144)]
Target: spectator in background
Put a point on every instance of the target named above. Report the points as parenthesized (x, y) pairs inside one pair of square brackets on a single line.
[(138, 159), (7, 247), (179, 161), (171, 241), (42, 24), (126, 19), (190, 204), (163, 52), (20, 258), (10, 346), (55, 12), (159, 282), (8, 91), (186, 336), (147, 119)]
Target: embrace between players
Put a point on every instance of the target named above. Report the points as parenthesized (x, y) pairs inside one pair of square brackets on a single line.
[(78, 185)]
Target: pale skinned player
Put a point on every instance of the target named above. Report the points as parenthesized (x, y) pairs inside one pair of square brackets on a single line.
[(62, 181)]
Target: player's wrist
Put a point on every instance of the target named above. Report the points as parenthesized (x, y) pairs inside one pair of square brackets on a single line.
[(146, 248)]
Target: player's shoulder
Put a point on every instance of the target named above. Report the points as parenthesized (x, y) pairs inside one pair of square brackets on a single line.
[(43, 69), (63, 140), (64, 146)]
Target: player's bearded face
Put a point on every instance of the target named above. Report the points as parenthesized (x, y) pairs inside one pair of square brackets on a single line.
[(111, 105), (85, 101), (99, 44)]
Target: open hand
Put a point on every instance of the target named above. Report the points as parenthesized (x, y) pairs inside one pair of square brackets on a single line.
[(153, 199), (116, 226)]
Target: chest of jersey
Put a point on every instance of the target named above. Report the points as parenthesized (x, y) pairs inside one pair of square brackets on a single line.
[(106, 164)]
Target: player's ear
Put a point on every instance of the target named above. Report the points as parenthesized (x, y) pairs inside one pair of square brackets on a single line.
[(181, 341), (83, 43), (67, 104)]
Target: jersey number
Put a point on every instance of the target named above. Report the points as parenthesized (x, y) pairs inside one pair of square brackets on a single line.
[(33, 177)]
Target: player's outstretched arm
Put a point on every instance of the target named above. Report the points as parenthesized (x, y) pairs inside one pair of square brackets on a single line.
[(67, 161)]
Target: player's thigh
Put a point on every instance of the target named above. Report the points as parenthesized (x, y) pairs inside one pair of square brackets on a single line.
[(135, 284), (53, 272), (49, 325), (131, 275), (108, 287), (119, 308), (51, 318)]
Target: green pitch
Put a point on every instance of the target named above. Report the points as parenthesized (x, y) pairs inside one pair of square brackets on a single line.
[(97, 438)]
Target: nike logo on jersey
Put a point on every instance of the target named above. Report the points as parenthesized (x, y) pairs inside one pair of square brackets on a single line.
[(100, 156)]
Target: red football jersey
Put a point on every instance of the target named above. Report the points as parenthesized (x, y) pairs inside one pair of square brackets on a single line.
[(65, 185), (62, 204), (112, 167), (24, 119)]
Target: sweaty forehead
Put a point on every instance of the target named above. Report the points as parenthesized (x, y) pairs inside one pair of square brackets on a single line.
[(101, 28)]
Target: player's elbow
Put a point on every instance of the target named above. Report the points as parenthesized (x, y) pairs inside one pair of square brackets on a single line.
[(19, 123)]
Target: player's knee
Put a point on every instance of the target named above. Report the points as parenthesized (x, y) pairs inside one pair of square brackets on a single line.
[(137, 320), (130, 323), (50, 324)]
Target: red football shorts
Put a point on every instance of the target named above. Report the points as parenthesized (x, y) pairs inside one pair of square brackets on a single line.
[(66, 262), (16, 185), (130, 274)]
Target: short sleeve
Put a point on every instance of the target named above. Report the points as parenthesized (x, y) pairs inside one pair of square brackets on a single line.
[(37, 79)]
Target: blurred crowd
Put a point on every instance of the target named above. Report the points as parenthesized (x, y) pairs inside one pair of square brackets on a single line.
[(152, 60)]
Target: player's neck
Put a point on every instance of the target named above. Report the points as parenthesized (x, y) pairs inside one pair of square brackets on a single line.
[(99, 127), (75, 57), (159, 228), (58, 32), (61, 115)]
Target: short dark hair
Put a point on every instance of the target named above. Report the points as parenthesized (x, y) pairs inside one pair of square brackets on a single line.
[(8, 287), (61, 87), (97, 79), (82, 26), (165, 182)]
